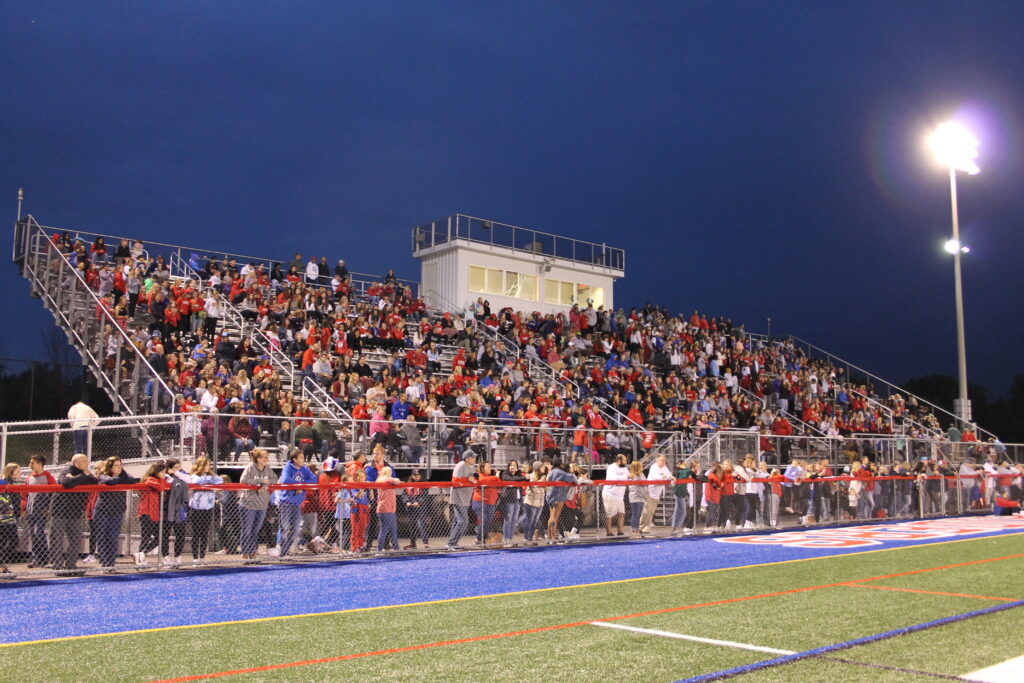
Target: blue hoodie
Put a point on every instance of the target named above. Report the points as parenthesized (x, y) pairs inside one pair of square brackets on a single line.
[(294, 475)]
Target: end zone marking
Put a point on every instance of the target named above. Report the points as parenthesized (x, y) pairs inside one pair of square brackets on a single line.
[(1003, 672), (845, 645), (354, 610), (696, 639)]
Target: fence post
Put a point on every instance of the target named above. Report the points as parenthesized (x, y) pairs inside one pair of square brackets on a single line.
[(920, 496), (56, 444), (181, 436), (88, 442), (959, 495), (160, 533), (3, 446), (214, 448)]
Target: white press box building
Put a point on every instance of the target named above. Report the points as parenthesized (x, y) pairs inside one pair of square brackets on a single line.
[(463, 258)]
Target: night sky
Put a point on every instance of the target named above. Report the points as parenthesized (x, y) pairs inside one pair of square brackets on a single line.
[(754, 159)]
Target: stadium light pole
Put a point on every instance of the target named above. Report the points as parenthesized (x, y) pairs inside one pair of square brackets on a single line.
[(956, 148)]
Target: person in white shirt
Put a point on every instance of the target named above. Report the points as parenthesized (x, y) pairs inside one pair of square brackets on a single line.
[(82, 417), (659, 472), (613, 496), (312, 271)]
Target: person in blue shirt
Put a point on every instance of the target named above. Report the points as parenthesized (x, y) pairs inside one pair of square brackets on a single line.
[(400, 410), (290, 501)]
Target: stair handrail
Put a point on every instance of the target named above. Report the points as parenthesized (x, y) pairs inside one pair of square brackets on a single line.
[(259, 339), (836, 360), (38, 236)]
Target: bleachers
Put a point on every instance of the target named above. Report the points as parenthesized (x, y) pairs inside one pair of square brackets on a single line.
[(614, 371)]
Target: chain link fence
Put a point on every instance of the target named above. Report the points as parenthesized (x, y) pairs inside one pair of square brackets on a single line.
[(93, 517)]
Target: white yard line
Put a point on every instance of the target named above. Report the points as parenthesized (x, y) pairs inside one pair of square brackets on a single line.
[(1010, 671), (696, 639)]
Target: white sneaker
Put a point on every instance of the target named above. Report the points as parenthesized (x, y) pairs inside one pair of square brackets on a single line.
[(274, 552), (728, 526), (91, 559), (222, 551), (574, 532), (748, 525), (140, 559)]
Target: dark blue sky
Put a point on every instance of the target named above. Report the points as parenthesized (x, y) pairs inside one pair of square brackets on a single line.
[(753, 158)]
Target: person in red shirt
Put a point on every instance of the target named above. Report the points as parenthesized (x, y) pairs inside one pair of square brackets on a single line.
[(485, 499), (713, 497)]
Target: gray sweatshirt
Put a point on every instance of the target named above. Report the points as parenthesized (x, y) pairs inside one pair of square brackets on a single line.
[(256, 500)]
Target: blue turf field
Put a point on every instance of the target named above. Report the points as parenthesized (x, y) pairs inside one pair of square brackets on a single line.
[(55, 609)]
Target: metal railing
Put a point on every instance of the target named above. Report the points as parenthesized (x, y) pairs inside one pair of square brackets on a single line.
[(99, 337), (544, 244), (100, 521), (197, 257), (877, 381)]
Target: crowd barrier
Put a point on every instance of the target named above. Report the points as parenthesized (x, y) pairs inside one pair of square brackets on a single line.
[(48, 529)]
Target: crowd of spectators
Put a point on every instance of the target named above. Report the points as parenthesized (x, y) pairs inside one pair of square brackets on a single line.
[(494, 507), (380, 355)]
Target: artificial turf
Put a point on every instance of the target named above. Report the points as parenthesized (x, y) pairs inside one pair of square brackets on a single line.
[(789, 620)]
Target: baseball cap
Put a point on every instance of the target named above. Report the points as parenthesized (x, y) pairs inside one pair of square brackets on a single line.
[(330, 464)]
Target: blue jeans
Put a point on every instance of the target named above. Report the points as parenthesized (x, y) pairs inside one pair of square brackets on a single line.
[(80, 437), (460, 522), (40, 546), (679, 513), (252, 522), (636, 511), (242, 445), (388, 529), (419, 518), (484, 516), (511, 511), (106, 528), (291, 521), (412, 453), (530, 516)]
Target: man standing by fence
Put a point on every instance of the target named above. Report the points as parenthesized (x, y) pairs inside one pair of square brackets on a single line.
[(66, 513), (82, 417), (461, 497), (37, 510)]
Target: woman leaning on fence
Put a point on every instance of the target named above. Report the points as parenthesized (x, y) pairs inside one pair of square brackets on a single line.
[(149, 510), (254, 503), (10, 511), (201, 508), (108, 514)]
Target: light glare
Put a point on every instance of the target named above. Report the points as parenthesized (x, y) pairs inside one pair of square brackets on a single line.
[(955, 147), (951, 246)]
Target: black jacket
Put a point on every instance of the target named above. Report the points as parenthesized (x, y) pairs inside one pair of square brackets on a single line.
[(71, 505)]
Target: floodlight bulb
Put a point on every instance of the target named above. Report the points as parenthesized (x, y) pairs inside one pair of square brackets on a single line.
[(955, 147), (951, 246)]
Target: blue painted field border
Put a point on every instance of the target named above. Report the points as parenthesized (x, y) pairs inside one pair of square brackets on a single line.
[(788, 659)]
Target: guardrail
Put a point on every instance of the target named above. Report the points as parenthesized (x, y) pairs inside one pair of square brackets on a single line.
[(89, 323), (483, 231)]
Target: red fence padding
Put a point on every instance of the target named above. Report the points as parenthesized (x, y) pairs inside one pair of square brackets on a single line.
[(102, 488)]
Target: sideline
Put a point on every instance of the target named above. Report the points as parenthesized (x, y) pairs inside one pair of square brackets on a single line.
[(601, 622), (847, 644), (356, 610)]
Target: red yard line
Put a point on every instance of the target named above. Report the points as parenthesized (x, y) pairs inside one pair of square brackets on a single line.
[(918, 590), (933, 569), (541, 629)]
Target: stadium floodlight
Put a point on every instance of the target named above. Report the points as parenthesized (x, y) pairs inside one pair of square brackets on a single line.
[(956, 149), (953, 246)]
